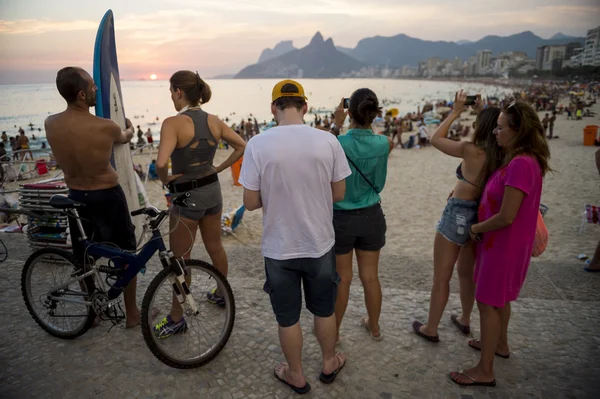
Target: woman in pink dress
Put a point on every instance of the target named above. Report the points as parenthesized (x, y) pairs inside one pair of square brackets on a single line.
[(508, 214)]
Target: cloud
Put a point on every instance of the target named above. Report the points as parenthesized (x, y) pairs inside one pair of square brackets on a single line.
[(42, 26), (225, 35)]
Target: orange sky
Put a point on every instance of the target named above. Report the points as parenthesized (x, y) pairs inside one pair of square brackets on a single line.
[(37, 37)]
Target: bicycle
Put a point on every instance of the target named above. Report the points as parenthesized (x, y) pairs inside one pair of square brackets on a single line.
[(67, 309)]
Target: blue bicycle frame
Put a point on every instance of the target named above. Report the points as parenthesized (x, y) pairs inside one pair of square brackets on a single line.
[(131, 262)]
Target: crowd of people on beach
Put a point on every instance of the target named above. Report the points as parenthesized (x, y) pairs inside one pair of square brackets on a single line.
[(333, 183)]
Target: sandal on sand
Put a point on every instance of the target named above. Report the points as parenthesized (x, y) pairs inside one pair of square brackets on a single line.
[(374, 337), (454, 374), (431, 338), (282, 378), (330, 378), (461, 327), (476, 344)]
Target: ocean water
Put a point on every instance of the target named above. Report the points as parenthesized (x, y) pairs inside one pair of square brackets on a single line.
[(145, 101)]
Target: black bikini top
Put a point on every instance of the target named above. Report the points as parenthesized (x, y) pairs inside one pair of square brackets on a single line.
[(459, 175)]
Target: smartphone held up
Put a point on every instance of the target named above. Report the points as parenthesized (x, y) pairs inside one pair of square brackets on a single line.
[(471, 100), (346, 103)]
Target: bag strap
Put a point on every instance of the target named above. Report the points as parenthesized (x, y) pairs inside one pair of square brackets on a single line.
[(361, 173)]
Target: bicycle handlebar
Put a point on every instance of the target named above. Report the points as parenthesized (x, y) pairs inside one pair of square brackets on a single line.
[(159, 216)]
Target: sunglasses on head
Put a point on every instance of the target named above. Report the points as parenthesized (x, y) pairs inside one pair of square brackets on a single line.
[(517, 112)]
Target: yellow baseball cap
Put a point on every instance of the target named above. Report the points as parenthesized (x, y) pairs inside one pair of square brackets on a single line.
[(297, 91)]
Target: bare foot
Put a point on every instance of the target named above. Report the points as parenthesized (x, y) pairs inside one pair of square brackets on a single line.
[(336, 363), (135, 319), (428, 331), (375, 333), (472, 376), (500, 351), (282, 371)]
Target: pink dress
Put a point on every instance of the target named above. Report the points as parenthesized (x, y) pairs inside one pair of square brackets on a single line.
[(503, 256)]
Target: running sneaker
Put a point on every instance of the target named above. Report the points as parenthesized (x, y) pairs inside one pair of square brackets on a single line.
[(215, 299), (167, 327)]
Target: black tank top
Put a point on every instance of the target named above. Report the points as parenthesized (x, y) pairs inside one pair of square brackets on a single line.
[(195, 159)]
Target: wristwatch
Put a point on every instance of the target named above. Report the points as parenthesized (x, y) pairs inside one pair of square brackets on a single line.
[(334, 129)]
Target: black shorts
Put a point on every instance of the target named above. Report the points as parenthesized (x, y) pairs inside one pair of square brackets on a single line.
[(363, 229), (284, 279), (105, 218)]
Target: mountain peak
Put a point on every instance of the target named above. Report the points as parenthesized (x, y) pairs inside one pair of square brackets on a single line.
[(317, 39), (559, 36), (279, 49)]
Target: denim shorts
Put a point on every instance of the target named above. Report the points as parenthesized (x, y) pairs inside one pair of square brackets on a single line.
[(363, 229), (457, 219), (319, 278)]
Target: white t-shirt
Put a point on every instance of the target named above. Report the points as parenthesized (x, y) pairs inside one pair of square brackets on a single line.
[(423, 133), (293, 167)]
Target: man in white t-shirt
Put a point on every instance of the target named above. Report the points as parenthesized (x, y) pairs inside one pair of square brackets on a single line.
[(296, 173)]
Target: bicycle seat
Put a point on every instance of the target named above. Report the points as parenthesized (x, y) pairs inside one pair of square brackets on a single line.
[(63, 202)]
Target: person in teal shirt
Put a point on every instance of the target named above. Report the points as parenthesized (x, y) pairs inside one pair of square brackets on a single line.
[(358, 219)]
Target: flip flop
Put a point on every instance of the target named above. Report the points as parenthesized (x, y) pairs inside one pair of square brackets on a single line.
[(431, 338), (461, 327), (330, 378), (373, 337), (472, 384), (301, 391), (589, 270), (476, 341)]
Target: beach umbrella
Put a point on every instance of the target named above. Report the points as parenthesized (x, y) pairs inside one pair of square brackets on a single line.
[(393, 112)]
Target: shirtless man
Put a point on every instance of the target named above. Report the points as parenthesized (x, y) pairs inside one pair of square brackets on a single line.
[(23, 143), (82, 144)]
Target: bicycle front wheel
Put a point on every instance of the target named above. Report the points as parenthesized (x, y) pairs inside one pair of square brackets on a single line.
[(183, 340)]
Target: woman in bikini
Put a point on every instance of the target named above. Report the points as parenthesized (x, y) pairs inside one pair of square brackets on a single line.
[(452, 242)]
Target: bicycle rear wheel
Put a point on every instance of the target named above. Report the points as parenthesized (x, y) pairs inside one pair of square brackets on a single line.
[(44, 270), (200, 337)]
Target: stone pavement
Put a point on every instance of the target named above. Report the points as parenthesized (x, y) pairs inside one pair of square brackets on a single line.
[(554, 334)]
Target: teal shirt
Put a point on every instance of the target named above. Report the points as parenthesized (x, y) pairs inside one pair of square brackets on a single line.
[(370, 153)]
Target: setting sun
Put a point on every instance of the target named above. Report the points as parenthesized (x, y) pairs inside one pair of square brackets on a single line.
[(153, 77)]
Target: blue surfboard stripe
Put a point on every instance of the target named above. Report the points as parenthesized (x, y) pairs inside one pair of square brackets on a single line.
[(105, 65)]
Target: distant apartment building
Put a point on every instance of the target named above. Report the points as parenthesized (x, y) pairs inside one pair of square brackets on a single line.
[(539, 58), (471, 66), (576, 59), (408, 71), (591, 50), (551, 57), (457, 64), (484, 59)]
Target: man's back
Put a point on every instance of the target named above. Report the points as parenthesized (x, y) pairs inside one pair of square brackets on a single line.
[(296, 165), (82, 145)]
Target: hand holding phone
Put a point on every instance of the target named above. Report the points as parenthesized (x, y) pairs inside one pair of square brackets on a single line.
[(340, 113), (471, 100)]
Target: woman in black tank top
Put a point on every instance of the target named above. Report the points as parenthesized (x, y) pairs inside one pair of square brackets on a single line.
[(190, 139)]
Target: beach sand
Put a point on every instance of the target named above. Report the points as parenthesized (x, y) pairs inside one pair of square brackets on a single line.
[(418, 184), (419, 181)]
